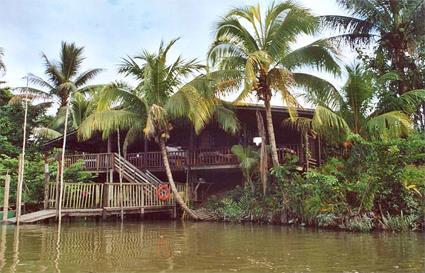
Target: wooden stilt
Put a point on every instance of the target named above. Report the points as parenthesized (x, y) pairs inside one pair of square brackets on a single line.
[(6, 197), (19, 190), (46, 181), (57, 188)]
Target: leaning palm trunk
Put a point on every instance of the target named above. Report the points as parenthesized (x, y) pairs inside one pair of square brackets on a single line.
[(263, 152), (270, 130), (176, 194)]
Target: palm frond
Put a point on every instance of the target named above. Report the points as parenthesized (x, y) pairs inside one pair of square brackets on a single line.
[(328, 123), (319, 55), (71, 58), (108, 122), (86, 76), (46, 133), (318, 90), (389, 125)]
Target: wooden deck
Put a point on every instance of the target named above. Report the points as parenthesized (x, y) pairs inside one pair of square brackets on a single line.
[(218, 158), (103, 199)]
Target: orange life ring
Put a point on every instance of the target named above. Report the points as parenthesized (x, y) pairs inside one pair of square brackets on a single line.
[(163, 192)]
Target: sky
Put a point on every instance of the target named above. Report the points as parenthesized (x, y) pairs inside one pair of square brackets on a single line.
[(112, 29)]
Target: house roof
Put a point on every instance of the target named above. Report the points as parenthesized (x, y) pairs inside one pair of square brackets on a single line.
[(72, 135)]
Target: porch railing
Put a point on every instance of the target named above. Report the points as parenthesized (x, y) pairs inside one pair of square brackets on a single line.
[(186, 158), (109, 195), (99, 162)]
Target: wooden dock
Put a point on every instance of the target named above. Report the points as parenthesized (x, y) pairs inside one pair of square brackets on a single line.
[(103, 199)]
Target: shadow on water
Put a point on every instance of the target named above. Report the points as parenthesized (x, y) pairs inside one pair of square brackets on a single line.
[(173, 246)]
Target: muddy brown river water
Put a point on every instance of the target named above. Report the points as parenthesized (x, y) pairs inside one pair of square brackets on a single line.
[(166, 246)]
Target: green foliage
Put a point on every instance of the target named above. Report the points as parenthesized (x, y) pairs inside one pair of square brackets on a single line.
[(77, 174), (353, 192), (400, 222), (33, 177), (361, 223), (237, 205)]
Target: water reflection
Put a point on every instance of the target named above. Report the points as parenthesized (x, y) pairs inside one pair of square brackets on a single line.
[(207, 247)]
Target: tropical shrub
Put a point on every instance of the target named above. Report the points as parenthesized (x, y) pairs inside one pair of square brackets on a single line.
[(400, 222), (361, 223)]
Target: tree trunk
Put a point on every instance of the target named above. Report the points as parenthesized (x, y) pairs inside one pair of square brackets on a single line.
[(270, 130), (171, 181), (263, 152), (61, 185)]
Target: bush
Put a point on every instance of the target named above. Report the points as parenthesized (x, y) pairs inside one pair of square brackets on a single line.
[(360, 223), (353, 191), (400, 222)]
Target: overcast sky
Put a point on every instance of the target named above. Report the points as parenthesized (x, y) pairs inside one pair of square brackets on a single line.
[(111, 29)]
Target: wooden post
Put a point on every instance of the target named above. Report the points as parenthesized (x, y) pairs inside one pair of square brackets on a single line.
[(319, 151), (245, 137), (105, 199), (19, 190), (46, 181), (57, 188), (174, 212), (120, 175), (109, 145), (6, 197), (306, 151)]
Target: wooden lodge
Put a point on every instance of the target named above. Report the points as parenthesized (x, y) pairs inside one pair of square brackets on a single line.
[(199, 159), (203, 162)]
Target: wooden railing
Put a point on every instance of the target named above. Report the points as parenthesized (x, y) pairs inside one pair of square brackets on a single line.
[(99, 162), (181, 159), (109, 195)]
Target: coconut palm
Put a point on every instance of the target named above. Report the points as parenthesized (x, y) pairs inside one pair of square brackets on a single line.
[(160, 97), (352, 110), (397, 27), (2, 65), (81, 107), (254, 51), (64, 77)]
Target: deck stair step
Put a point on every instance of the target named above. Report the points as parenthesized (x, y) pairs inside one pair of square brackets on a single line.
[(132, 173)]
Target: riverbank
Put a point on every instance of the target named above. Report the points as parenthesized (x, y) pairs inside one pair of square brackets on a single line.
[(370, 186), (239, 206)]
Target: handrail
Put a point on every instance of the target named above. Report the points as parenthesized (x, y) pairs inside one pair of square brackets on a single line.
[(134, 163), (108, 195)]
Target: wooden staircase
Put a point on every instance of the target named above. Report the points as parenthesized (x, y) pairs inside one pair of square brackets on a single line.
[(132, 174)]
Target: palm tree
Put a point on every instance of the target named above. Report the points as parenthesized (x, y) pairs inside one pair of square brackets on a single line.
[(81, 107), (160, 97), (63, 77), (353, 111), (255, 50), (2, 65), (248, 162), (395, 25)]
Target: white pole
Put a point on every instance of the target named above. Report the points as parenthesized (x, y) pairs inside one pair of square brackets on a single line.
[(6, 196), (22, 160), (61, 185), (120, 174)]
